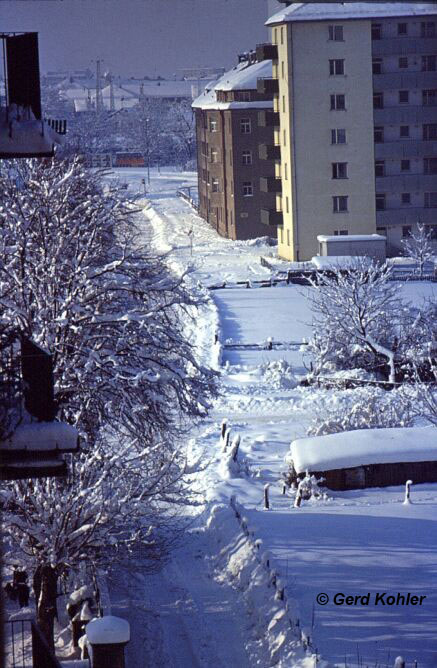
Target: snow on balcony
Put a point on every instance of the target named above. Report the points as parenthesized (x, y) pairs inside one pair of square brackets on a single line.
[(42, 437), (23, 136)]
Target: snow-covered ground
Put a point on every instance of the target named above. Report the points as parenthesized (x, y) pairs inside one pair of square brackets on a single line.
[(201, 609)]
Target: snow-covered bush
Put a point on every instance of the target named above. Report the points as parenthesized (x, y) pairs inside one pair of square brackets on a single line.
[(363, 408), (279, 374)]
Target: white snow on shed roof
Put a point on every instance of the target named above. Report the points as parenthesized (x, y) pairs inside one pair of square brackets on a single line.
[(364, 447), (350, 237), (245, 78), (319, 11)]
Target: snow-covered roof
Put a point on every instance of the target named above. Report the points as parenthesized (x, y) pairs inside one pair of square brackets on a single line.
[(23, 135), (350, 237), (159, 88), (319, 11), (242, 77), (364, 447), (339, 261), (42, 437)]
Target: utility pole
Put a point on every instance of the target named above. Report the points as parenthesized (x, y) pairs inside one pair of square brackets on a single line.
[(99, 97)]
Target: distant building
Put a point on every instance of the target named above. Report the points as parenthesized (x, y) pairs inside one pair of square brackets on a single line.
[(234, 130), (355, 97)]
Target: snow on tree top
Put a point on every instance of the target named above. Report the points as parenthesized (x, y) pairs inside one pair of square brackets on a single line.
[(363, 447), (107, 630)]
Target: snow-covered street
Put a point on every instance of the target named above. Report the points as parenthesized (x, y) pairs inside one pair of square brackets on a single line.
[(199, 609)]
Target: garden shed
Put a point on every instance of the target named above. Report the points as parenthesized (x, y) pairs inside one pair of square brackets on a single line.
[(367, 457), (371, 245)]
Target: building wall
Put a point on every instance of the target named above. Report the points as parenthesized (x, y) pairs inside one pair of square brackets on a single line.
[(307, 144)]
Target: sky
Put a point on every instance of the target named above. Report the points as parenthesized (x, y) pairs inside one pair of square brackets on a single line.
[(138, 37)]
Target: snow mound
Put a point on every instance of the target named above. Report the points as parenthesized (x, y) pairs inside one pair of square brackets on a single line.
[(278, 374)]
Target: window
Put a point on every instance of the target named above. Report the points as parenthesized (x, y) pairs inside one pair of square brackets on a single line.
[(380, 168), (338, 102), (285, 171), (339, 204), (429, 63), (286, 205), (432, 231), (214, 155), (403, 62), (336, 67), (430, 165), (377, 66), (429, 97), (285, 137), (246, 157), (382, 231), (338, 136), (406, 231), (378, 134), (430, 131), (427, 29), (380, 201), (402, 29), (335, 33), (341, 233), (430, 200), (247, 189), (283, 103), (404, 97), (378, 100), (215, 186), (282, 34), (283, 69), (376, 31), (245, 126), (406, 198), (404, 131), (212, 125), (288, 237), (405, 165), (339, 170)]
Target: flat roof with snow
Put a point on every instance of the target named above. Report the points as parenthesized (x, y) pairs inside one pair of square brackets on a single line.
[(350, 237), (362, 447), (320, 11)]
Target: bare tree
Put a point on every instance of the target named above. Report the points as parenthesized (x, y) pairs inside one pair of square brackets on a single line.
[(419, 247)]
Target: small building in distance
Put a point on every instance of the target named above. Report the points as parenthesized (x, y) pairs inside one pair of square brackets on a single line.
[(234, 130)]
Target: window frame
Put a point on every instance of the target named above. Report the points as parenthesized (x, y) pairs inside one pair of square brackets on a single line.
[(339, 170), (406, 199), (337, 98), (430, 165), (377, 65), (379, 168), (335, 136), (245, 126), (429, 63), (376, 31), (378, 131), (405, 165), (404, 132), (335, 33), (404, 97), (340, 204), (336, 67), (402, 29), (380, 201), (247, 188), (403, 59)]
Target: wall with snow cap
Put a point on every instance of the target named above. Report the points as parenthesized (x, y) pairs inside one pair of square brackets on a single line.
[(108, 631)]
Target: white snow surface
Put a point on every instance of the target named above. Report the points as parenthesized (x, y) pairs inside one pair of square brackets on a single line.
[(43, 436), (365, 446), (201, 608), (339, 261), (319, 11), (22, 134), (107, 630)]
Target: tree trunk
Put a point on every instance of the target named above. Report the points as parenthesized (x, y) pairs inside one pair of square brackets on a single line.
[(46, 603)]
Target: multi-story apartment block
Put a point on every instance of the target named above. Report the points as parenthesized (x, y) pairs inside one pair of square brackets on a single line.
[(356, 101), (234, 129)]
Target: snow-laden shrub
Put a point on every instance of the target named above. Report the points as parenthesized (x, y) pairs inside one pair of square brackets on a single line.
[(363, 408), (278, 373)]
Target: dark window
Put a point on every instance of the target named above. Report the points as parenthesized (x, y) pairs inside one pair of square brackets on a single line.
[(245, 126), (246, 157), (335, 33), (338, 102), (340, 233), (339, 203), (378, 134), (336, 67), (404, 131), (429, 63), (403, 62), (429, 97), (406, 198), (430, 165), (215, 186), (406, 231), (377, 66), (212, 125), (378, 100), (404, 97), (339, 170), (405, 165), (379, 168), (380, 201), (430, 131), (338, 136), (430, 200), (402, 29), (247, 189), (376, 31), (427, 29)]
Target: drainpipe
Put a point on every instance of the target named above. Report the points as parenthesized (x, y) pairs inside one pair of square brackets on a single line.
[(222, 120)]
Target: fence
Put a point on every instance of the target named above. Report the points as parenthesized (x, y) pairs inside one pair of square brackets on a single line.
[(26, 647), (185, 194)]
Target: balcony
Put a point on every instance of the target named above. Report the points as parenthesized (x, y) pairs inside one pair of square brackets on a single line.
[(267, 87), (268, 119), (271, 218), (400, 46), (269, 152), (404, 114), (266, 52), (270, 184)]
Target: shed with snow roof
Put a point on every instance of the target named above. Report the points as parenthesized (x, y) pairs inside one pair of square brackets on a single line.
[(370, 245), (367, 457)]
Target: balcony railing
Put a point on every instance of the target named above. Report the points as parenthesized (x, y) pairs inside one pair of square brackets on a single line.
[(59, 126), (268, 119), (266, 52), (270, 184), (270, 217), (268, 86), (269, 152)]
